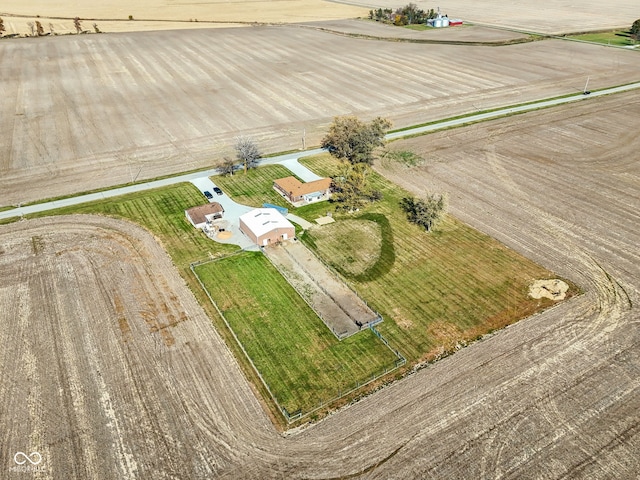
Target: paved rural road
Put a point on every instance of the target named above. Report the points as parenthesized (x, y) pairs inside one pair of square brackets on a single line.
[(287, 158)]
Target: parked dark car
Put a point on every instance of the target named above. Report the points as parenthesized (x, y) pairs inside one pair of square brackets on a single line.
[(217, 190), (208, 195)]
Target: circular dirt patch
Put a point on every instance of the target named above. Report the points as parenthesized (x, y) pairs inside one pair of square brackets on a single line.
[(352, 245)]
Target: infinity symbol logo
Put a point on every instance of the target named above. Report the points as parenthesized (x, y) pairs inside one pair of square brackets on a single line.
[(34, 459)]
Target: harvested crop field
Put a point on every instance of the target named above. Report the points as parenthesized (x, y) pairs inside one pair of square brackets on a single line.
[(106, 357), (99, 110), (163, 14), (548, 16), (556, 394)]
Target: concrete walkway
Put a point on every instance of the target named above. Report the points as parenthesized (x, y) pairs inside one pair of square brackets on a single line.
[(300, 221)]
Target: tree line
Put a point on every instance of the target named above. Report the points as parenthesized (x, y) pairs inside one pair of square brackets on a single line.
[(37, 29), (410, 14)]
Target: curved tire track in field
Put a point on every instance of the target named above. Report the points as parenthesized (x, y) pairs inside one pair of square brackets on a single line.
[(428, 425), (567, 407), (556, 394), (606, 297)]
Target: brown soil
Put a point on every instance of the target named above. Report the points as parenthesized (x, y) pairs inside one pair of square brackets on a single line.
[(106, 357), (337, 305), (100, 110), (90, 384), (547, 17)]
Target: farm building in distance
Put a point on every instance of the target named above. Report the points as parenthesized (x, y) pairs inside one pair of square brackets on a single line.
[(265, 226), (443, 21), (201, 215), (299, 193)]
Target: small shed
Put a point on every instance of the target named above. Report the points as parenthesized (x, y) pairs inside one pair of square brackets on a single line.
[(199, 216), (265, 226)]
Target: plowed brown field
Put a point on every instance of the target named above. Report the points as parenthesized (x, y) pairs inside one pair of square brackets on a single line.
[(87, 111), (111, 370)]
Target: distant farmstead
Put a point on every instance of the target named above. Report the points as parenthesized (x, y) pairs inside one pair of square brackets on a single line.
[(299, 193), (441, 21), (203, 214), (265, 226)]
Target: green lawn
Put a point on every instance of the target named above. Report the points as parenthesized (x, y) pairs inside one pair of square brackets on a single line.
[(618, 37), (418, 26), (256, 187), (351, 246), (433, 289), (299, 358), (295, 352), (161, 211)]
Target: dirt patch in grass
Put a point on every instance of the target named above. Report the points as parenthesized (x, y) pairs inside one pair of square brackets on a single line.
[(353, 244), (553, 289), (297, 355)]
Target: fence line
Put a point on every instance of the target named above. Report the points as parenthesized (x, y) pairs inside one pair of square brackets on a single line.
[(400, 361), (266, 385), (377, 317), (386, 342), (341, 278), (298, 414), (339, 336)]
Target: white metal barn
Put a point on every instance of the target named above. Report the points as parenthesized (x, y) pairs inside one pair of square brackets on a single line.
[(265, 226)]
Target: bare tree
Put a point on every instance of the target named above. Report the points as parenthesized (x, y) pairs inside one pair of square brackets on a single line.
[(95, 28), (247, 152), (39, 29), (78, 24), (2, 29), (228, 166), (51, 29), (32, 27)]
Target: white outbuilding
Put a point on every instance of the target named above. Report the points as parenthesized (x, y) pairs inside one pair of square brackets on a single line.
[(265, 226)]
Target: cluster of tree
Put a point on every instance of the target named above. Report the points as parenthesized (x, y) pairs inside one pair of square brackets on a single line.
[(353, 142), (37, 30), (424, 212), (351, 189), (634, 31), (410, 14)]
